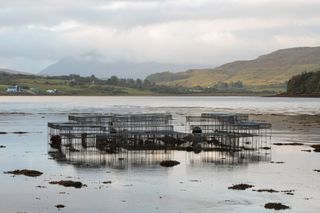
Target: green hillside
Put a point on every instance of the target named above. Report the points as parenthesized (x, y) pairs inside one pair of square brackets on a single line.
[(272, 69)]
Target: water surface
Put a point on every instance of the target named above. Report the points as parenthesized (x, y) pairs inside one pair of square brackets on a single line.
[(192, 186)]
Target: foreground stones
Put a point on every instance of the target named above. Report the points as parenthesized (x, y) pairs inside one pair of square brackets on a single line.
[(169, 163), (276, 206), (241, 186), (26, 172), (68, 183)]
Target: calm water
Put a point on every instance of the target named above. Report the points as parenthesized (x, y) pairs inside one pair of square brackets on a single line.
[(192, 186), (136, 104)]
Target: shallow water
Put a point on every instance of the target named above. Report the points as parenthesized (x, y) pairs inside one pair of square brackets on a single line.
[(192, 186)]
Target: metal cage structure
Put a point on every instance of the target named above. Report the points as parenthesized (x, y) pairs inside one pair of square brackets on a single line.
[(230, 131), (101, 134)]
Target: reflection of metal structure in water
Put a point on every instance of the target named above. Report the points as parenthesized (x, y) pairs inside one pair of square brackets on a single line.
[(227, 158), (94, 137), (122, 160)]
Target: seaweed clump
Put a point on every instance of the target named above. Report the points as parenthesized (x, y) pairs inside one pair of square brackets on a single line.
[(169, 163), (68, 183), (19, 132), (288, 144), (26, 172), (266, 190), (60, 206), (277, 162), (276, 206), (241, 186)]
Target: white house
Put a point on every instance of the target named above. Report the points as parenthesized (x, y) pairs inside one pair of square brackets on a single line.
[(14, 89), (51, 91)]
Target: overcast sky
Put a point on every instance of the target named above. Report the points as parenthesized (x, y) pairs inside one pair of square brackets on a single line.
[(36, 33)]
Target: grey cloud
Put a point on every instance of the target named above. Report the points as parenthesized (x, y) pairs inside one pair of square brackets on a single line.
[(201, 31)]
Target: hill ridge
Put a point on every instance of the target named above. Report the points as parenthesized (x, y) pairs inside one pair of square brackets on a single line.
[(272, 68)]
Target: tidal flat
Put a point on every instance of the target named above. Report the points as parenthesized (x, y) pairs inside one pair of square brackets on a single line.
[(137, 183)]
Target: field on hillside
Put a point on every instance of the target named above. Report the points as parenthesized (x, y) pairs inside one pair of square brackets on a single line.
[(38, 85)]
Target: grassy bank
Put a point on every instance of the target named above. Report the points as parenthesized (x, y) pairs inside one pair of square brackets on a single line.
[(91, 86)]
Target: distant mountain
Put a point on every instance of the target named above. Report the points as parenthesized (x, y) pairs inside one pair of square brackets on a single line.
[(8, 71), (274, 68), (102, 69)]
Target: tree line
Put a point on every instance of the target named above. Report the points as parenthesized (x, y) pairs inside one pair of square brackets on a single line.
[(307, 83)]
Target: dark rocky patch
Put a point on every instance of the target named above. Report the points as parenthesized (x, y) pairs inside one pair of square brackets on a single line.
[(3, 133), (316, 170), (107, 182), (241, 186), (265, 148), (316, 147), (266, 190), (288, 144), (169, 163), (276, 206), (68, 183), (306, 150), (2, 146), (60, 206), (26, 172), (289, 193), (19, 132), (285, 191), (277, 162)]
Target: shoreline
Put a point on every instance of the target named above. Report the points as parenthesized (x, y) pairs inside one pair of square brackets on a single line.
[(286, 95), (170, 95), (147, 95)]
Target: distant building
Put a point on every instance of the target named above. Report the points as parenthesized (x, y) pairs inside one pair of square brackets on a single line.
[(14, 89), (51, 91)]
